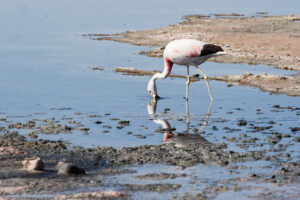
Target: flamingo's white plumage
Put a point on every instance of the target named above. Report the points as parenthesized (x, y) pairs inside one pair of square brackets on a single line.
[(185, 52)]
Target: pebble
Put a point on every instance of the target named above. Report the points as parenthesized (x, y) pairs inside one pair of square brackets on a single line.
[(124, 122), (297, 139), (242, 123), (295, 129), (252, 175), (141, 136), (97, 68)]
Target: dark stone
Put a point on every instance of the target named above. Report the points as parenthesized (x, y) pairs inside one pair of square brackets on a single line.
[(242, 123), (124, 122), (70, 169), (295, 129)]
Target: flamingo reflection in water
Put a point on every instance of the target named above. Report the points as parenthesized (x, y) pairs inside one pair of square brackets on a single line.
[(180, 140)]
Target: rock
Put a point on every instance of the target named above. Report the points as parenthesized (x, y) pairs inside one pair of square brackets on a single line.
[(68, 169), (297, 139), (252, 175), (274, 139), (98, 122), (34, 163), (97, 68), (60, 164), (140, 136), (124, 122), (295, 129), (242, 123)]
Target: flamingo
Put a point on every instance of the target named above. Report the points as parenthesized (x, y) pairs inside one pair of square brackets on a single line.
[(185, 52)]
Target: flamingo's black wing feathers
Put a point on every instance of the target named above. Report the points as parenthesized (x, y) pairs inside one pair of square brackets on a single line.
[(210, 49)]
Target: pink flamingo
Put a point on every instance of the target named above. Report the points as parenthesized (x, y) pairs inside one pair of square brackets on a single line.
[(185, 52)]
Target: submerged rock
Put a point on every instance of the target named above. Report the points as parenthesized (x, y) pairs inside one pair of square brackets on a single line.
[(295, 129), (159, 176), (124, 122), (242, 123)]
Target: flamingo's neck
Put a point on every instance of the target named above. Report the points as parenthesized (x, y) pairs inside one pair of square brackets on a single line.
[(167, 70)]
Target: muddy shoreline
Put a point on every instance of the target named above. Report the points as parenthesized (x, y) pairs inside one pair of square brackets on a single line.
[(268, 40), (107, 162), (102, 165)]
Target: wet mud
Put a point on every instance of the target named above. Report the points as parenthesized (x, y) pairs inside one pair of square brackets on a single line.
[(100, 166)]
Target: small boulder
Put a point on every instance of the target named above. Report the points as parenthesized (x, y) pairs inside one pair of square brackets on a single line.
[(68, 169), (34, 163), (60, 164)]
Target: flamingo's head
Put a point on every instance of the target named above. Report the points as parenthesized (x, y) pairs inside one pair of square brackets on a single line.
[(152, 88)]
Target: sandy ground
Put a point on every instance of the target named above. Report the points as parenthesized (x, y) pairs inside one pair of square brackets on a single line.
[(264, 40)]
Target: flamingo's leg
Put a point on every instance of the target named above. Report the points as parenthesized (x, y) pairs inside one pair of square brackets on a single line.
[(187, 82), (205, 78), (187, 114), (207, 118), (187, 94)]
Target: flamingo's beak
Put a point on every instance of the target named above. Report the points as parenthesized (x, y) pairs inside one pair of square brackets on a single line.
[(155, 96)]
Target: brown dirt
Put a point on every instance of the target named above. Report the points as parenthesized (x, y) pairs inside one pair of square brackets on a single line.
[(268, 40)]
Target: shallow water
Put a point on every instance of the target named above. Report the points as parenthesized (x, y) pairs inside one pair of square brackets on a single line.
[(46, 73)]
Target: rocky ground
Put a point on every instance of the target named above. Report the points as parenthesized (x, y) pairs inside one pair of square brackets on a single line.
[(264, 40)]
